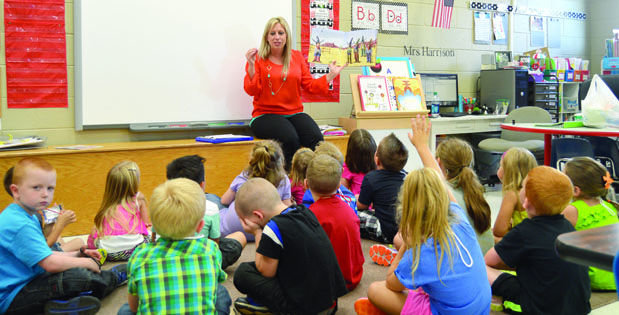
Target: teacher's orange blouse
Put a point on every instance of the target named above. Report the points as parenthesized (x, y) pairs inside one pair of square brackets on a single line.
[(282, 97)]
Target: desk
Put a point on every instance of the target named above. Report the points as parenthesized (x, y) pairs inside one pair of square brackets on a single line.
[(595, 247), (549, 131), (381, 127), (82, 173)]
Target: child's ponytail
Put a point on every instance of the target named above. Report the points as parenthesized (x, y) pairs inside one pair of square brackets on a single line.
[(266, 161), (456, 157), (476, 205)]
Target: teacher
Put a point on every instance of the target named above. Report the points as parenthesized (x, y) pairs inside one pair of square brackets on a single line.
[(274, 76)]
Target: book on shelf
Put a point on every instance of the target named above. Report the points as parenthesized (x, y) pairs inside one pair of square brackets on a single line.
[(408, 94), (374, 93)]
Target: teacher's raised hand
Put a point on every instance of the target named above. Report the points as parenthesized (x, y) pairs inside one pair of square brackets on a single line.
[(251, 55), (334, 71), (251, 59)]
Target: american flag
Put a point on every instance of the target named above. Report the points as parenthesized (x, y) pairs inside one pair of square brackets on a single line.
[(442, 13)]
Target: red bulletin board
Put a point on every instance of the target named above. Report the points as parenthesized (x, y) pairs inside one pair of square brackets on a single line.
[(325, 13), (36, 61)]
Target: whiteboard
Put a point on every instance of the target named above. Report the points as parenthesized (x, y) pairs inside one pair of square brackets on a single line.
[(144, 61)]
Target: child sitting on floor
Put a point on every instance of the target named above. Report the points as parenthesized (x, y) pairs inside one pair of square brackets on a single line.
[(513, 168), (343, 193), (440, 262), (296, 270), (35, 278), (589, 210), (231, 246), (359, 159), (266, 161), (52, 231), (336, 217), (300, 160), (545, 283), (179, 273), (380, 189), (455, 158), (122, 222)]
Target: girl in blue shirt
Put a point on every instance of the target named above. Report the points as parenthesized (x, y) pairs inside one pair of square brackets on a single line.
[(440, 268)]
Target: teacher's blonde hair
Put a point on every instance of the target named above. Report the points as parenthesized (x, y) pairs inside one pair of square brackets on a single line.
[(265, 48)]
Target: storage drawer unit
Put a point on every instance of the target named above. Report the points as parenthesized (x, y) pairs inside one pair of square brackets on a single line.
[(546, 96)]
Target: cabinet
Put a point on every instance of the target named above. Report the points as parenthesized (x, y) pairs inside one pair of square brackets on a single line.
[(546, 96), (560, 99)]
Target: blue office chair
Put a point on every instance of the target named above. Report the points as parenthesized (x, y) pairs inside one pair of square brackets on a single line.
[(565, 148), (606, 151)]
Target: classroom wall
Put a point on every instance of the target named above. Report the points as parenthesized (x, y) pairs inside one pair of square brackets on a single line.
[(58, 124), (603, 19)]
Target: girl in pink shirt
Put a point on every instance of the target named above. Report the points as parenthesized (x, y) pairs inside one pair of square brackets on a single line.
[(359, 159), (300, 161), (122, 220)]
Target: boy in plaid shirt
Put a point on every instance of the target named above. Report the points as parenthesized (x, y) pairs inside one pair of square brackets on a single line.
[(179, 273)]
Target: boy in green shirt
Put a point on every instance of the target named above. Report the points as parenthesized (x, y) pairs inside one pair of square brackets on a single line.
[(186, 266)]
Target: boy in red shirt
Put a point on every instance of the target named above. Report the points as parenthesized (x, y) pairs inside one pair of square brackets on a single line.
[(336, 217)]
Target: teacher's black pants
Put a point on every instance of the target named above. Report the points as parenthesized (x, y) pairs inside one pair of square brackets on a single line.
[(291, 132)]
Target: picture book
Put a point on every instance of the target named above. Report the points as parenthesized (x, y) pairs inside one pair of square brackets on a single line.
[(409, 94), (391, 67), (374, 93), (355, 48)]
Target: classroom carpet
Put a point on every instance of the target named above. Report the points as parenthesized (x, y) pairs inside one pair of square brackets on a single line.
[(371, 272)]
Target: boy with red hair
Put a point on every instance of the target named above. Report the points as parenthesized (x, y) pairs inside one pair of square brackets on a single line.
[(545, 284)]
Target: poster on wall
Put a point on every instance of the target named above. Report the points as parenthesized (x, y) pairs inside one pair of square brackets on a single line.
[(35, 48), (318, 14), (499, 26), (394, 18), (537, 31), (554, 33), (365, 15), (482, 27)]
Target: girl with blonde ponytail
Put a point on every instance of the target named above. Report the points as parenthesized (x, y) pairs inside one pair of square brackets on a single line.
[(455, 156), (265, 161)]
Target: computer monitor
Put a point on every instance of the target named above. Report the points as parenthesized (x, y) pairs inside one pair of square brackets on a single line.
[(446, 86)]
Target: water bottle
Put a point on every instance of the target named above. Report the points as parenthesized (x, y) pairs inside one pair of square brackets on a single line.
[(435, 104)]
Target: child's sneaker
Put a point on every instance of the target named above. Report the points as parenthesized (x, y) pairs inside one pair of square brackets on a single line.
[(363, 306), (121, 274), (245, 306), (80, 305), (382, 254)]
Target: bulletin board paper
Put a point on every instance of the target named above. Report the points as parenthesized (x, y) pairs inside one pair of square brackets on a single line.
[(319, 14), (36, 62)]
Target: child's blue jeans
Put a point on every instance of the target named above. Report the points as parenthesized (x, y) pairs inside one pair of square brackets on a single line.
[(61, 286)]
